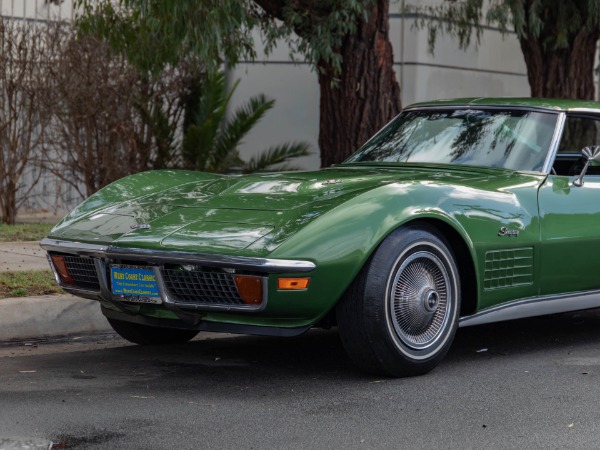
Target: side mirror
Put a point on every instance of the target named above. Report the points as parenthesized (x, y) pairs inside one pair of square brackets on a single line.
[(590, 154)]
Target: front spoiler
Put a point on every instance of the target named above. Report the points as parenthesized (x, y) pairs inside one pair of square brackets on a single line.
[(202, 325)]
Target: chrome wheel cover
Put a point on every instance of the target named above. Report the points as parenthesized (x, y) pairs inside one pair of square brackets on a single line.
[(420, 300)]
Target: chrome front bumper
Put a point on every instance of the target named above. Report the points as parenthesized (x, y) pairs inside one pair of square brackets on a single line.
[(102, 255)]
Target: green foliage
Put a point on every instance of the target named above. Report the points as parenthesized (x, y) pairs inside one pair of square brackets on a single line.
[(211, 140), (155, 37), (154, 34), (159, 33), (279, 154), (528, 18), (314, 29)]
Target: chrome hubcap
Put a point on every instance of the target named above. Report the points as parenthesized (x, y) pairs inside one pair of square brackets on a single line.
[(420, 304), (431, 301)]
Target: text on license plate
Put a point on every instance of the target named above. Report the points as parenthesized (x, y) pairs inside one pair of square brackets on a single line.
[(136, 284)]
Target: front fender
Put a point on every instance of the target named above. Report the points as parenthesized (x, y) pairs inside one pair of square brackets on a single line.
[(341, 241)]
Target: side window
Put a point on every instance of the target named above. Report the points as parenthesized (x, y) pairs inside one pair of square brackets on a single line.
[(579, 132)]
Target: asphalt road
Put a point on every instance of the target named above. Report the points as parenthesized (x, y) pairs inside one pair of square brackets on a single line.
[(525, 384)]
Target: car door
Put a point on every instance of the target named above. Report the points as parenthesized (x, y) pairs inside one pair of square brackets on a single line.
[(570, 215)]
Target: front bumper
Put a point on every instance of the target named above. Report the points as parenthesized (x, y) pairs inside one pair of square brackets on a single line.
[(98, 259)]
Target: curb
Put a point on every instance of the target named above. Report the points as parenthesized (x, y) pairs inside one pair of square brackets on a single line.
[(24, 318)]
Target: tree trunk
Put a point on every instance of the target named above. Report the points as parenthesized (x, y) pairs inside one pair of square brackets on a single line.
[(367, 95), (563, 72), (9, 203)]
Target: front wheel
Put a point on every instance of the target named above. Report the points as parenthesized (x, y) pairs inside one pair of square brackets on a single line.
[(145, 335), (401, 313)]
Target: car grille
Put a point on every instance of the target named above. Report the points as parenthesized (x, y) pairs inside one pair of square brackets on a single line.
[(213, 288), (83, 272)]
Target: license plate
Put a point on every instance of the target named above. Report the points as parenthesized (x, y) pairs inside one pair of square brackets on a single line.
[(134, 284)]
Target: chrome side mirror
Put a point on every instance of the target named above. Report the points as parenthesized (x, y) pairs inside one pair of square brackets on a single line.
[(591, 153)]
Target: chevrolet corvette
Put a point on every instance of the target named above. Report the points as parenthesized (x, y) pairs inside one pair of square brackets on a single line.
[(457, 213)]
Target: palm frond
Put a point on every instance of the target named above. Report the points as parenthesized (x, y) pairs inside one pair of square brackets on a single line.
[(242, 121), (215, 98), (210, 141), (201, 135), (164, 133), (277, 155), (197, 147)]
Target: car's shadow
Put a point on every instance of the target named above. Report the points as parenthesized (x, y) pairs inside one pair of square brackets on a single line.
[(223, 362), (319, 354), (527, 336)]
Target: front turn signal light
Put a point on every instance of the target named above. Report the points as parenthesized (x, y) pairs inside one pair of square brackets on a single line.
[(60, 266), (292, 284), (250, 288)]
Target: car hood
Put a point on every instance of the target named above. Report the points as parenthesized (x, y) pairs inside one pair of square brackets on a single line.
[(252, 214)]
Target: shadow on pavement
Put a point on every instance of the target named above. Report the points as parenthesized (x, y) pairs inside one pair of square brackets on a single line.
[(316, 355)]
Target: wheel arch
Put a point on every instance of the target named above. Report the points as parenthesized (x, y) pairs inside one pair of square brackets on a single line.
[(464, 260), (365, 320), (461, 251)]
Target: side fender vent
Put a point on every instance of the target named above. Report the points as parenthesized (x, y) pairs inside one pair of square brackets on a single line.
[(508, 268)]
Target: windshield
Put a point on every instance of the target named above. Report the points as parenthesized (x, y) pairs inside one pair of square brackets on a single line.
[(517, 140)]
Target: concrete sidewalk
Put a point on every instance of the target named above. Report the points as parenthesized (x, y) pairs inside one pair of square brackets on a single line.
[(16, 256), (46, 316)]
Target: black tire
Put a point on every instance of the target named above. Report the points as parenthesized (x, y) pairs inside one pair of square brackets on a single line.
[(145, 335), (400, 315)]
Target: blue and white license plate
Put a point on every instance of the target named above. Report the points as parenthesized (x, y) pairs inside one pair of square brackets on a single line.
[(134, 284)]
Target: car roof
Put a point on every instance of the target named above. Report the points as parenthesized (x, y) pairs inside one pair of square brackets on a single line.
[(553, 104)]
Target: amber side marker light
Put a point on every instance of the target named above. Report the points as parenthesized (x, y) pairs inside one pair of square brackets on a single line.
[(250, 288), (61, 268), (292, 284)]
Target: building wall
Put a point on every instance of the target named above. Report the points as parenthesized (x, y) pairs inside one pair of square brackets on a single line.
[(37, 9), (50, 194)]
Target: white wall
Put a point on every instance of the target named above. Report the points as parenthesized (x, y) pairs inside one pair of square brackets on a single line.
[(295, 116), (494, 68)]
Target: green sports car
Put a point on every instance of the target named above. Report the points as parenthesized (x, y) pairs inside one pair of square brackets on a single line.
[(457, 213)]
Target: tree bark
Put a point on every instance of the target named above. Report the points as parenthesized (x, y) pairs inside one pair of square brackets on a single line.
[(560, 73), (367, 95), (9, 203)]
